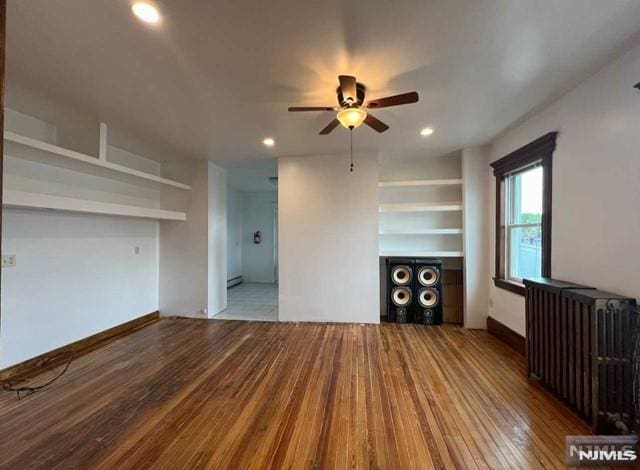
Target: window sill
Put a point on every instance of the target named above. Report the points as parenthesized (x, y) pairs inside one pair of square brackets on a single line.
[(509, 285)]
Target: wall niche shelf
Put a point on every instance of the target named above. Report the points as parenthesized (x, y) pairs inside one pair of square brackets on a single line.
[(19, 146), (420, 207), (419, 183), (423, 254), (36, 201), (425, 231)]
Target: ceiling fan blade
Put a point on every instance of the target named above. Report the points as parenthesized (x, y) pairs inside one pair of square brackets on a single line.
[(331, 126), (310, 108), (348, 87), (396, 100), (375, 123)]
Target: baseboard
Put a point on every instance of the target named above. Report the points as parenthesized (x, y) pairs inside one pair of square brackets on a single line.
[(506, 335), (234, 282), (51, 359)]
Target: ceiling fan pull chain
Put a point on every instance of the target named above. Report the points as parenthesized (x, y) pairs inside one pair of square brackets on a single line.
[(351, 135)]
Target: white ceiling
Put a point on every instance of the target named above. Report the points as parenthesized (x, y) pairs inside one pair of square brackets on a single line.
[(214, 78)]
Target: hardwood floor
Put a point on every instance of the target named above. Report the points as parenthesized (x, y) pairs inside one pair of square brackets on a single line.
[(230, 394)]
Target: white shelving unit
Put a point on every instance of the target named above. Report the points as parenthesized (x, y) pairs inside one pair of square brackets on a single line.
[(420, 208), (423, 254), (423, 231), (19, 146), (419, 183), (27, 200), (70, 181)]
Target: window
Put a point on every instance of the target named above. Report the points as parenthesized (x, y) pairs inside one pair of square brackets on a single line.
[(523, 222), (523, 214)]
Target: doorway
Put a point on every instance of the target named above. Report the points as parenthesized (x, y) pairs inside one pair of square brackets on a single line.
[(252, 247)]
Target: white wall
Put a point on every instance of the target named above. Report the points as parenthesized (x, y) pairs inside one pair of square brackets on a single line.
[(183, 245), (258, 213), (217, 239), (328, 239), (193, 261), (476, 196), (234, 233), (596, 169), (76, 275), (30, 126), (131, 160)]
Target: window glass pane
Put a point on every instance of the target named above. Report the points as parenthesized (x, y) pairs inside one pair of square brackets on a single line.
[(526, 196), (525, 254)]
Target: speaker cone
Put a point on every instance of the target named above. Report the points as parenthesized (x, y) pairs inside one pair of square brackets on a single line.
[(428, 276), (428, 298), (401, 296), (401, 275)]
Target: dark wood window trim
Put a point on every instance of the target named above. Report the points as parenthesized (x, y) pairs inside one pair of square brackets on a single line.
[(540, 150)]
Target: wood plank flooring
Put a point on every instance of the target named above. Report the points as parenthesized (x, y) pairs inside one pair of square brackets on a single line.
[(224, 394)]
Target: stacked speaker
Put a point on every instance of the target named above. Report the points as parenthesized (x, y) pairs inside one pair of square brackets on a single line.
[(400, 290), (414, 292)]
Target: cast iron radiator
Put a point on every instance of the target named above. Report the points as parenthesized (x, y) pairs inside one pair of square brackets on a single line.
[(579, 345)]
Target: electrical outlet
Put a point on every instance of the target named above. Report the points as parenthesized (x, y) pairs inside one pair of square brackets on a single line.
[(8, 261), (136, 250)]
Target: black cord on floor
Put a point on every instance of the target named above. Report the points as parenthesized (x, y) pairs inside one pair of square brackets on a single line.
[(33, 389)]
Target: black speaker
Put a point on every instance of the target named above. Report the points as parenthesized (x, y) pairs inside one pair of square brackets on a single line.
[(400, 297), (427, 289)]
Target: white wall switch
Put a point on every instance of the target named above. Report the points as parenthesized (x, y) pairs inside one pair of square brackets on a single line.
[(8, 261)]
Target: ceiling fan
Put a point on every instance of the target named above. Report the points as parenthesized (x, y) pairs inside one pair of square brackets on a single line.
[(351, 101)]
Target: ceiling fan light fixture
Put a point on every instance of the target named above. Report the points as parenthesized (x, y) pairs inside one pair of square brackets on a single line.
[(351, 117)]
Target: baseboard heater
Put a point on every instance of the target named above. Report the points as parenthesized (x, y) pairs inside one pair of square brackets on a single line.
[(579, 345), (234, 281)]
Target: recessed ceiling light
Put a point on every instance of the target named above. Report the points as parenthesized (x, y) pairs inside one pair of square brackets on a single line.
[(146, 12), (426, 131), (269, 142)]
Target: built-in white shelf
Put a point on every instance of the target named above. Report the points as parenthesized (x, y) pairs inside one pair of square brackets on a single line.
[(421, 213), (424, 231), (420, 207), (417, 183), (27, 200), (35, 150), (423, 254)]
